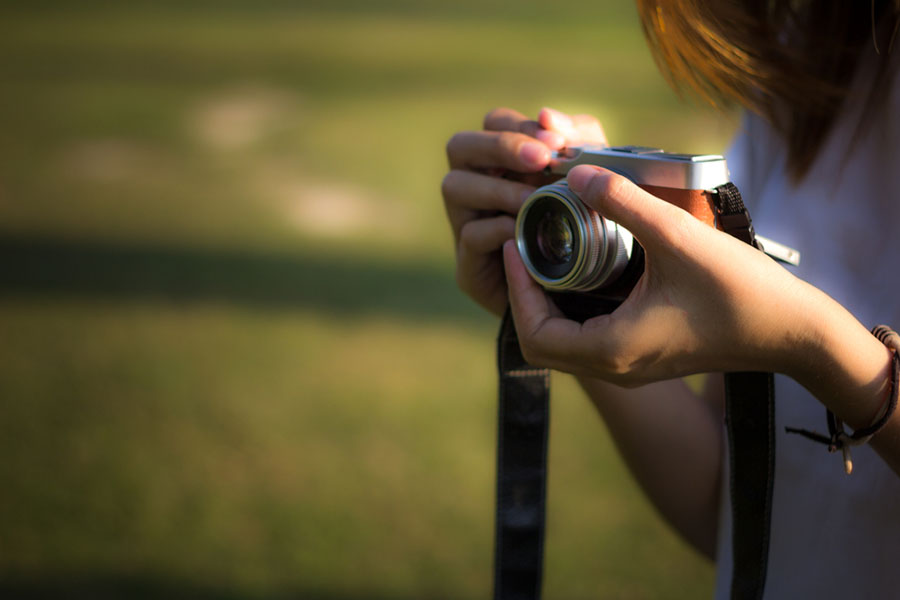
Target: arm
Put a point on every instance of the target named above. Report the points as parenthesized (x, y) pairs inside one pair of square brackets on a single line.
[(672, 441), (706, 302)]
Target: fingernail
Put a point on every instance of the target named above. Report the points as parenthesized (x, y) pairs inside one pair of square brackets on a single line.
[(534, 153), (580, 177), (550, 138)]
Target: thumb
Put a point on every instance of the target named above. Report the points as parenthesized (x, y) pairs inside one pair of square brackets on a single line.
[(650, 219)]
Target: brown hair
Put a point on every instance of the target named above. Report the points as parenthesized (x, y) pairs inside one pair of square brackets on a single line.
[(791, 61)]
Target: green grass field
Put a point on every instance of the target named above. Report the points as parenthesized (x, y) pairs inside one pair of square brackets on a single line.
[(233, 361)]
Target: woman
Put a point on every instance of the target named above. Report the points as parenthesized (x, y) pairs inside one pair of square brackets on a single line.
[(815, 160)]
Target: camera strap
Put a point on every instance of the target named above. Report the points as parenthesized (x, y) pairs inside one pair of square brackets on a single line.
[(750, 422), (522, 434), (523, 427)]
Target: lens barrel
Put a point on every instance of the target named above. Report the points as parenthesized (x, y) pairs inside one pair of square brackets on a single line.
[(567, 246)]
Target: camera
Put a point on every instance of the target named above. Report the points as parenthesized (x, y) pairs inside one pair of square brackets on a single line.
[(588, 263)]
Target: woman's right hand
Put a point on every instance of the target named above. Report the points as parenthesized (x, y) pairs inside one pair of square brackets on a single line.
[(491, 174)]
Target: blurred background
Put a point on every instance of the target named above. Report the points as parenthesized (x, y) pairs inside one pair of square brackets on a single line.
[(233, 360)]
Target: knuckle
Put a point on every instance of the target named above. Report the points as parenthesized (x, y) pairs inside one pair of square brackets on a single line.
[(619, 366), (531, 352), (534, 350), (615, 356), (506, 143), (611, 185), (455, 144), (449, 184), (491, 116), (497, 195), (528, 127), (505, 196), (508, 225), (618, 186), (467, 233)]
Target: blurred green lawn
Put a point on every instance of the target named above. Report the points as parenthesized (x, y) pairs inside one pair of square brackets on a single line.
[(233, 361)]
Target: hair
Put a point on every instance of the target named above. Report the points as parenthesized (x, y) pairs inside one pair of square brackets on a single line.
[(790, 61)]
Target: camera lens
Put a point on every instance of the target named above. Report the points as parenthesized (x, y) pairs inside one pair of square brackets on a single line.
[(550, 237), (555, 238), (567, 246)]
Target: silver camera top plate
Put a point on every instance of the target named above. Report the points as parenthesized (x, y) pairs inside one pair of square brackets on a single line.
[(648, 166)]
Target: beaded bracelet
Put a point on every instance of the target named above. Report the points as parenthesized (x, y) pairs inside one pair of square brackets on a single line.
[(838, 438)]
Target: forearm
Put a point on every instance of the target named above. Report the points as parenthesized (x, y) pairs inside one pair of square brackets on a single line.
[(671, 440), (843, 365)]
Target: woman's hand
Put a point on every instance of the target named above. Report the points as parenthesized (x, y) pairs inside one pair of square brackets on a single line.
[(491, 174), (706, 301)]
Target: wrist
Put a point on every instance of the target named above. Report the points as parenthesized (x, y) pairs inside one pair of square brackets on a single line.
[(841, 363)]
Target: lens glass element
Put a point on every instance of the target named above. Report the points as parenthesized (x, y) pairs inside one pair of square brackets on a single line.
[(551, 239), (555, 239)]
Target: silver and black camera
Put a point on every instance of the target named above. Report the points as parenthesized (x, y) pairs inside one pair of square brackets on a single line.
[(589, 263)]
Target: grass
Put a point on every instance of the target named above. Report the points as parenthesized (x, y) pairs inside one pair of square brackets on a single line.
[(233, 360)]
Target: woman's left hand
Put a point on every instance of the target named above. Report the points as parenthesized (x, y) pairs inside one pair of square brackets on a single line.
[(706, 301)]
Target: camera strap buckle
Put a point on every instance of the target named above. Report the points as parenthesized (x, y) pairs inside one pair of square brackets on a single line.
[(732, 216)]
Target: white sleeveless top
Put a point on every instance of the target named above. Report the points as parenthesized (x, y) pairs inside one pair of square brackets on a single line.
[(833, 535)]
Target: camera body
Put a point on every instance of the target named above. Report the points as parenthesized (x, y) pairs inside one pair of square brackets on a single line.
[(589, 264)]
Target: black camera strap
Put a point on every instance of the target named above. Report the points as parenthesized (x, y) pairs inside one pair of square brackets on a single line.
[(523, 425), (750, 421)]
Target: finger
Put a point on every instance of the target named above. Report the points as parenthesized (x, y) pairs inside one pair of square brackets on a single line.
[(589, 130), (488, 149), (546, 338), (506, 119), (479, 269), (551, 139), (483, 236), (466, 194), (554, 120), (578, 129), (474, 191), (653, 221)]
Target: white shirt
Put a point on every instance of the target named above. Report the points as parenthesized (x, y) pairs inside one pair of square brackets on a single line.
[(832, 535)]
